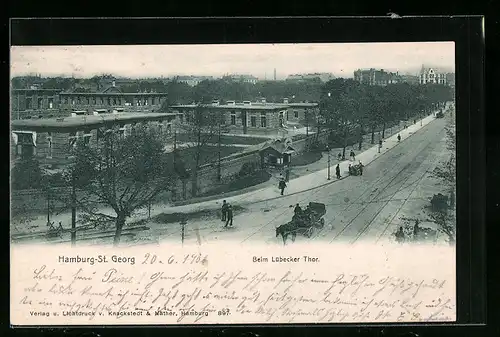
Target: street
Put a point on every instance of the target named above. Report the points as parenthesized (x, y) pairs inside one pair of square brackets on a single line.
[(358, 208)]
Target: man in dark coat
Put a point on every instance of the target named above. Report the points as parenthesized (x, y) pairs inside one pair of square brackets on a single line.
[(224, 210), (400, 235), (282, 185), (399, 138), (337, 171), (229, 215), (352, 155), (297, 209)]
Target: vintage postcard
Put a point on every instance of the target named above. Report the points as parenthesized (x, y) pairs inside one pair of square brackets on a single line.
[(233, 184)]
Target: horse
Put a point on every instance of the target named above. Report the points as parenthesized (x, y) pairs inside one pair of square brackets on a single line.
[(285, 230)]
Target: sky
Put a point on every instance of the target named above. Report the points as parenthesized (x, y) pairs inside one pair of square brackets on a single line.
[(260, 60)]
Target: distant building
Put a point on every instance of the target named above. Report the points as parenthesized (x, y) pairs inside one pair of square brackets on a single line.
[(110, 99), (193, 80), (323, 77), (375, 77), (410, 79), (432, 75), (242, 78), (50, 140), (34, 102)]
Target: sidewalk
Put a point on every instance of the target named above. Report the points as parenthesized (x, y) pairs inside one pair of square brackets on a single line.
[(297, 185)]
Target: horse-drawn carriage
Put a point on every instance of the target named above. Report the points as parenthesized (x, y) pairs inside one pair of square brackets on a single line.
[(356, 170), (304, 222)]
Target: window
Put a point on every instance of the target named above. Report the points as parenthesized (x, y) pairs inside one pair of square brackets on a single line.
[(153, 100), (296, 113), (233, 118), (263, 122), (102, 101), (109, 100), (287, 115), (51, 103), (86, 138), (253, 121), (40, 103), (146, 101), (28, 103)]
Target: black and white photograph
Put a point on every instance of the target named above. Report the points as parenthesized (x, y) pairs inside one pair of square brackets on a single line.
[(309, 151)]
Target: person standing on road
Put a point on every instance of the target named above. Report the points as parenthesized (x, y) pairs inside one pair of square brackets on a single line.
[(224, 210), (360, 168), (379, 145), (337, 171), (229, 214), (339, 156), (350, 169), (399, 137), (353, 157), (400, 235), (282, 185)]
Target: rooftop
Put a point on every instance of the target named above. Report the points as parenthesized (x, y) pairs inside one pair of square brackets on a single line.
[(35, 89), (253, 106), (85, 120), (112, 93)]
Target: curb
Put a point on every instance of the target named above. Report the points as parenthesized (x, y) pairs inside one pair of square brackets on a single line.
[(250, 189), (322, 185)]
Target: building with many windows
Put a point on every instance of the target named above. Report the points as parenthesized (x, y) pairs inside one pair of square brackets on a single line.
[(375, 77), (34, 102), (241, 118), (432, 75), (110, 99), (50, 139)]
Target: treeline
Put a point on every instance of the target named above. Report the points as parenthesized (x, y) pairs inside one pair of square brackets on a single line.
[(348, 107)]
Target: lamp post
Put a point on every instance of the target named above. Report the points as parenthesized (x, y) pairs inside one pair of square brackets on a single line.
[(183, 225), (328, 150), (73, 202)]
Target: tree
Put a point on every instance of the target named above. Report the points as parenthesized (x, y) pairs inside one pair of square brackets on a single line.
[(122, 172), (27, 174), (202, 124)]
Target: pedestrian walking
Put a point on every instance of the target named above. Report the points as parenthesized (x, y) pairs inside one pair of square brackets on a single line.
[(400, 235), (287, 175), (416, 229), (229, 215), (379, 145), (282, 185), (399, 137), (224, 210), (339, 156), (360, 169), (350, 169), (297, 209), (353, 157), (337, 171)]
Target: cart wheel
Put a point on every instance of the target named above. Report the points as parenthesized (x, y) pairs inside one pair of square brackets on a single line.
[(309, 232)]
